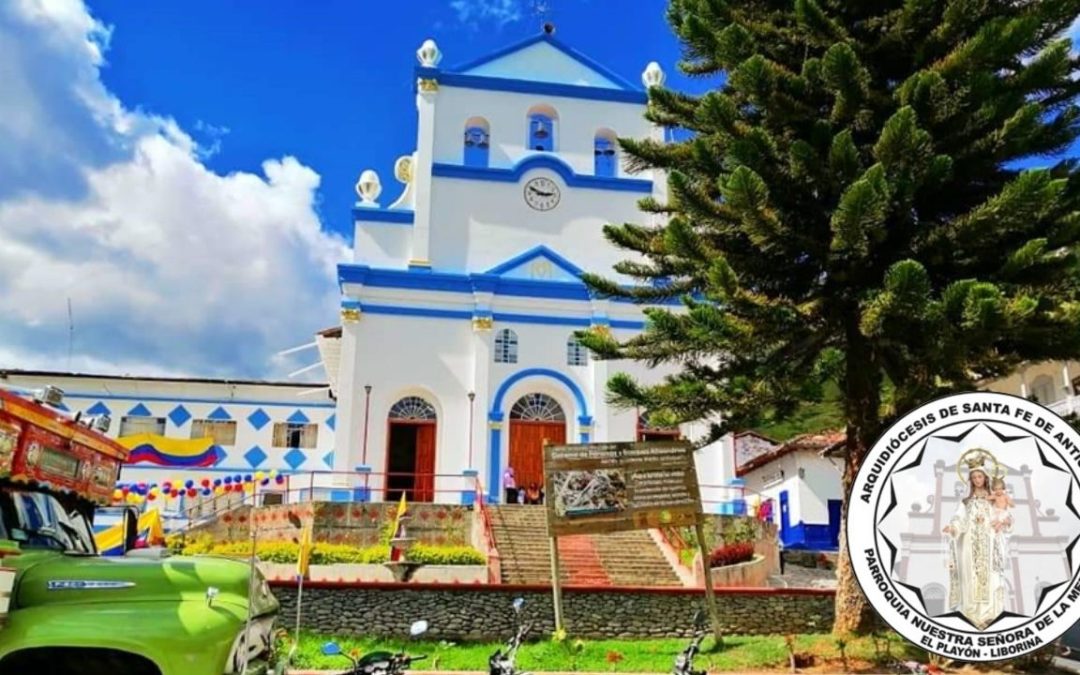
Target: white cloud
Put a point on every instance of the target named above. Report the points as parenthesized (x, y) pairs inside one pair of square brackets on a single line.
[(498, 12), (170, 267)]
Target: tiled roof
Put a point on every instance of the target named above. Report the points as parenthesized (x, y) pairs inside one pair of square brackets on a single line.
[(822, 442)]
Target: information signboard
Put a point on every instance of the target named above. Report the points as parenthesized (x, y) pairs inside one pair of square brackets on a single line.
[(609, 487), (596, 488)]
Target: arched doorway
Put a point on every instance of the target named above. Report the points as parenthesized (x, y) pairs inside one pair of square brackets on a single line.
[(410, 450), (534, 418)]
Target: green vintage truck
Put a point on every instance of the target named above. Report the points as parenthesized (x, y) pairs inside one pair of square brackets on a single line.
[(65, 609)]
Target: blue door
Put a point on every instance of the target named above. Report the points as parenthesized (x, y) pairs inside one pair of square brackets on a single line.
[(834, 523), (785, 518)]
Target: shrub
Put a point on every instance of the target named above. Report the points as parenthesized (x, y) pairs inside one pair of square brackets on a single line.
[(329, 554), (731, 554), (445, 555)]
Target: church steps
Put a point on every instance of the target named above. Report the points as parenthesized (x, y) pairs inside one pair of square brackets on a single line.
[(624, 558)]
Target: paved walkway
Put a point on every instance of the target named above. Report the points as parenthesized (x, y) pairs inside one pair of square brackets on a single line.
[(803, 577)]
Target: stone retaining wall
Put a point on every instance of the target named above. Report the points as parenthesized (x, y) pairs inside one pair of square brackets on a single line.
[(484, 613), (356, 524)]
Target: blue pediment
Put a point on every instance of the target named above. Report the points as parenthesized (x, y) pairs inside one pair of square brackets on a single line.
[(542, 58), (539, 262)]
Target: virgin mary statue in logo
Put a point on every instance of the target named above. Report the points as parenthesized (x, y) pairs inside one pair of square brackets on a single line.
[(976, 537)]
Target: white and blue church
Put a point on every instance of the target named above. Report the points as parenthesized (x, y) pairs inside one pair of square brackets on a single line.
[(456, 353)]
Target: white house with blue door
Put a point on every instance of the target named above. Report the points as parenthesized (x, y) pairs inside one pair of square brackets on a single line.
[(456, 355), (803, 482)]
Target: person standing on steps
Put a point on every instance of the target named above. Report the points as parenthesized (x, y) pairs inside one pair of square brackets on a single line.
[(510, 485)]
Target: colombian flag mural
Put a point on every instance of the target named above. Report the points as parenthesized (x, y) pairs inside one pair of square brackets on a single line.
[(162, 451)]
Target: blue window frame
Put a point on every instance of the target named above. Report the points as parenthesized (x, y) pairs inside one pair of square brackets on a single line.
[(604, 156), (477, 142), (541, 133)]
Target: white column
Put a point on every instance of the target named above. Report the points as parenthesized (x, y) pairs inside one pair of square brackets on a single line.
[(425, 148), (348, 430), (483, 388), (599, 372), (1023, 382)]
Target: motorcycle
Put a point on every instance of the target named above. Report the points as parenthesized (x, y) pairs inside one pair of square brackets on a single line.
[(684, 662), (502, 662), (380, 662)]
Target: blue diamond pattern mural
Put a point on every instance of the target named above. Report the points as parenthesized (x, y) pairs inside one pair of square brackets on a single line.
[(98, 408), (331, 421), (258, 419), (179, 415), (328, 460), (298, 417), (255, 456), (294, 458), (140, 411), (219, 414)]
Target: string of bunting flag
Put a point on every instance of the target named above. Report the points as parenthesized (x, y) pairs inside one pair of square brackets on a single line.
[(138, 493)]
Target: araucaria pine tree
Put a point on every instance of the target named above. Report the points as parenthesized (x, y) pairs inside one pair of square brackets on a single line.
[(848, 207)]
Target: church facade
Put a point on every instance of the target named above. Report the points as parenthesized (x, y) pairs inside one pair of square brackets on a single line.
[(456, 355)]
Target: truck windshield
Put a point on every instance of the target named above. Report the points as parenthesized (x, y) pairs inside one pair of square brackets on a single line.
[(38, 520)]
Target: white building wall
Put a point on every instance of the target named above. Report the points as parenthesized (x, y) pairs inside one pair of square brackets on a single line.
[(820, 482), (506, 114), (181, 402)]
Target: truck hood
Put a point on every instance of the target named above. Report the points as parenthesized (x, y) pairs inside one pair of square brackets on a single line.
[(52, 579)]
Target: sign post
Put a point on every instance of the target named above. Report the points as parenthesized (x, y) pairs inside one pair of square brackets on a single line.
[(600, 488)]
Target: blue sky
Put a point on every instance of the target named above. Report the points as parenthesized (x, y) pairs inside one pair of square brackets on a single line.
[(182, 172), (330, 82)]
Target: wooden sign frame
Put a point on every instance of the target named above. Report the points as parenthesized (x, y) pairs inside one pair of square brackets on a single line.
[(635, 486)]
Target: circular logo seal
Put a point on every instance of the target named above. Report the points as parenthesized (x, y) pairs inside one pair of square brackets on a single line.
[(963, 526)]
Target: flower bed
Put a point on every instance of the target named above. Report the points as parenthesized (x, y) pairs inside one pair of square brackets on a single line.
[(731, 554), (282, 552)]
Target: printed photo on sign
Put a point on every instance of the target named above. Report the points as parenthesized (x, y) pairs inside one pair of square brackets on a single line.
[(580, 493), (963, 526)]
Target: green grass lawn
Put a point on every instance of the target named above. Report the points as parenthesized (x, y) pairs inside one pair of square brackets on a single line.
[(739, 653)]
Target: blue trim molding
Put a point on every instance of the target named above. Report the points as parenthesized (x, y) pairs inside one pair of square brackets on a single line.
[(377, 215), (557, 44), (449, 282), (541, 160), (531, 87), (495, 418), (533, 253)]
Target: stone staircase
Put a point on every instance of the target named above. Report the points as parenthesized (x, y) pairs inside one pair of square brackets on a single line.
[(620, 559)]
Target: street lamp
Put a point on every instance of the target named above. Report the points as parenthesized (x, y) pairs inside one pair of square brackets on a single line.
[(367, 411), (472, 397)]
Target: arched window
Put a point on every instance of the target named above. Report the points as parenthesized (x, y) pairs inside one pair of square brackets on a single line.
[(477, 141), (506, 346), (649, 432), (541, 132), (605, 154), (576, 354), (537, 408), (1043, 390), (413, 409)]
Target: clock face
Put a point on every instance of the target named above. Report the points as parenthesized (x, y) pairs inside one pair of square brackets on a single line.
[(542, 194)]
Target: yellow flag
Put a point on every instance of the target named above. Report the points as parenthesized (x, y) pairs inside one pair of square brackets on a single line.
[(401, 506), (304, 557)]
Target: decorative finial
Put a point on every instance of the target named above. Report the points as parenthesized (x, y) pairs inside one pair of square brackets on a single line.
[(429, 54), (403, 169), (653, 76), (368, 188)]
